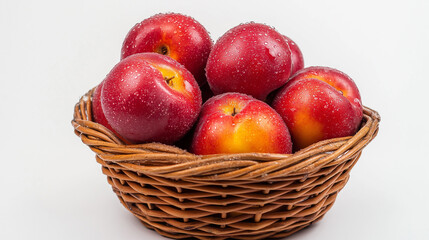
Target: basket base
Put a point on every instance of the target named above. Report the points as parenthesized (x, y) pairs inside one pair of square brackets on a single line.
[(185, 213), (189, 233), (253, 236)]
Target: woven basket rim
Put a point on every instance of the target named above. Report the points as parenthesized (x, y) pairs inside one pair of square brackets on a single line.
[(176, 163)]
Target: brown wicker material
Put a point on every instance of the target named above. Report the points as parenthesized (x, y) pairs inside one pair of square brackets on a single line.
[(237, 196)]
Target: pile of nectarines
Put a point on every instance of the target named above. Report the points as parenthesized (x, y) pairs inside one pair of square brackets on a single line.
[(258, 97)]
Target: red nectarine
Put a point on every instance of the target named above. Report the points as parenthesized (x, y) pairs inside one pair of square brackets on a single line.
[(149, 97), (250, 58), (319, 103), (238, 123), (175, 35)]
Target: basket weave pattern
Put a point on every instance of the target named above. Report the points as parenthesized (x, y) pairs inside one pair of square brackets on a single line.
[(236, 196)]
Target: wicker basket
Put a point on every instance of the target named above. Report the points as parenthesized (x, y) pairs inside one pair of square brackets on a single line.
[(238, 196)]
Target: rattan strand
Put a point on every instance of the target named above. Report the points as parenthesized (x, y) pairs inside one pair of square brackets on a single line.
[(225, 196)]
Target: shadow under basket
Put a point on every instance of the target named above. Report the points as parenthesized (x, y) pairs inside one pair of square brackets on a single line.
[(224, 196)]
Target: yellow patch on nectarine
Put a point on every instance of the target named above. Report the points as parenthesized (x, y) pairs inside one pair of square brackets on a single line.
[(173, 78), (249, 136), (306, 129), (330, 82)]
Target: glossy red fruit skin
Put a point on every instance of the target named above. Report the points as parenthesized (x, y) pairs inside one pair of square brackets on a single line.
[(255, 128), (97, 110), (338, 80), (314, 108), (141, 107), (250, 58), (188, 42), (296, 56), (98, 113)]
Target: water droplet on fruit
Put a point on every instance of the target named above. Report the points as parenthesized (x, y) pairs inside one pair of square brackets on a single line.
[(272, 52)]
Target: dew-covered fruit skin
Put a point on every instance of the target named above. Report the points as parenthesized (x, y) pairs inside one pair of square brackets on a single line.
[(141, 106), (319, 103), (239, 123), (250, 58), (97, 110), (296, 56), (175, 35), (98, 113)]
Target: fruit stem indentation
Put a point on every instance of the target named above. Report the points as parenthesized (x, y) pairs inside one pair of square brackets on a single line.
[(234, 112), (168, 80), (164, 50)]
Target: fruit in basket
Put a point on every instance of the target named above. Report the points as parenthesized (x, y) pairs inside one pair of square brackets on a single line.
[(296, 56), (148, 97), (250, 58), (175, 35), (319, 103), (239, 123)]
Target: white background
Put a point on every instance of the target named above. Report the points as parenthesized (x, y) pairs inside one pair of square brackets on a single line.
[(52, 52)]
